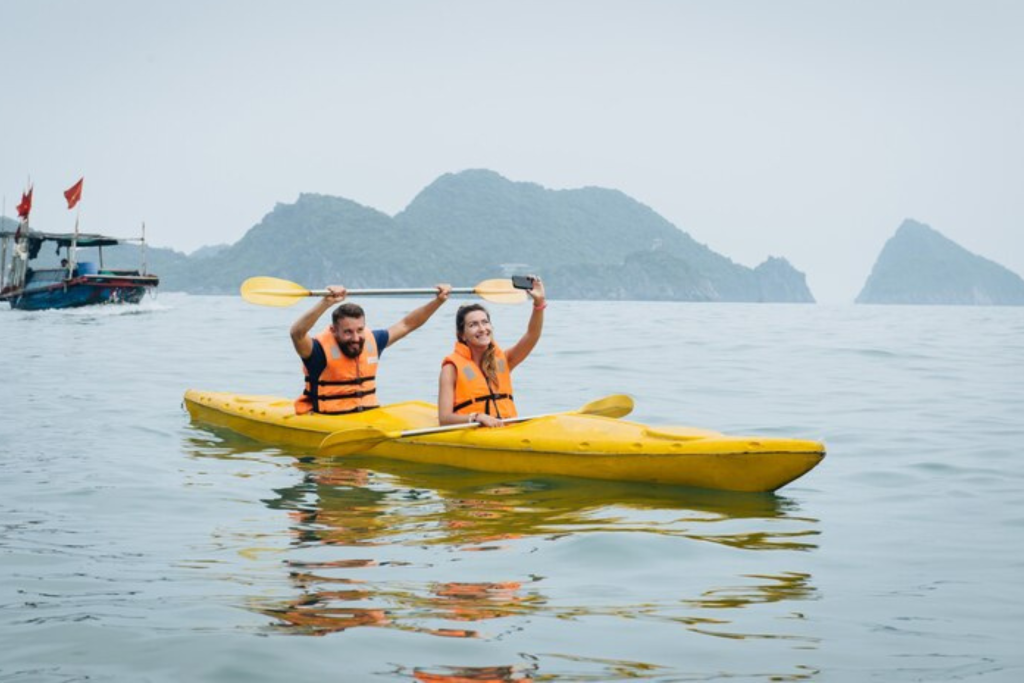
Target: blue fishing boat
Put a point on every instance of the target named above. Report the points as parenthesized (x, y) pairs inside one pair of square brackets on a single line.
[(76, 281)]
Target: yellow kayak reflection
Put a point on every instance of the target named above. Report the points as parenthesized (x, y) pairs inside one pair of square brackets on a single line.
[(475, 511)]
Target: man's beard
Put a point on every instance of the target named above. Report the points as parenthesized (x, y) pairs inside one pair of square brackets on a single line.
[(352, 349)]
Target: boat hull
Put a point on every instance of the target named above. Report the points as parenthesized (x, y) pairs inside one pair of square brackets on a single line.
[(566, 444), (83, 291)]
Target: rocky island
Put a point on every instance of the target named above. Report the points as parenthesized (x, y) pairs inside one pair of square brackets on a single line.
[(918, 265)]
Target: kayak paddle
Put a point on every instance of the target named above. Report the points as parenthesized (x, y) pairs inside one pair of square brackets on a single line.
[(362, 439), (273, 291)]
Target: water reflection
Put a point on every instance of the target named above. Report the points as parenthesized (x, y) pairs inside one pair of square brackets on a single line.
[(584, 669), (476, 674), (391, 502), (385, 544), (767, 588), (325, 605)]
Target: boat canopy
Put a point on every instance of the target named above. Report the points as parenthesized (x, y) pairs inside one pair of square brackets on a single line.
[(65, 239)]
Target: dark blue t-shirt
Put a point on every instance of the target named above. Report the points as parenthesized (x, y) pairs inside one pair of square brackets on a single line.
[(317, 360)]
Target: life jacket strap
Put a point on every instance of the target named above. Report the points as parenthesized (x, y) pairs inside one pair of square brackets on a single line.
[(358, 409), (481, 399), (354, 394), (345, 382)]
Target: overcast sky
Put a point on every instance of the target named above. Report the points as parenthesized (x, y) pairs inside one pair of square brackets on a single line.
[(803, 129)]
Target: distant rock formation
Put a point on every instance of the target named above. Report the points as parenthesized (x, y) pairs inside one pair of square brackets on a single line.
[(780, 281), (918, 265), (588, 243), (208, 251)]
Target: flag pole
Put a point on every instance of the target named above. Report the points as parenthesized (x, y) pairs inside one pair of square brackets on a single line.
[(3, 249), (143, 247), (74, 196), (29, 212), (73, 260), (19, 259)]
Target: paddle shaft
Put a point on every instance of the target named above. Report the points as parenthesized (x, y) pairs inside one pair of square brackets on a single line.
[(468, 425), (385, 292), (273, 291)]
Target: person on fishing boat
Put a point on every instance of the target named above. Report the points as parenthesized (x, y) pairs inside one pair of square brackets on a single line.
[(340, 363), (476, 377)]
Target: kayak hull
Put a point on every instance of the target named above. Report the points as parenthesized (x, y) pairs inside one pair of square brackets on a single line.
[(567, 444)]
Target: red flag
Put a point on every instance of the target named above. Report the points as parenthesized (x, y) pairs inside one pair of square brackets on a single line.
[(74, 193), (26, 204)]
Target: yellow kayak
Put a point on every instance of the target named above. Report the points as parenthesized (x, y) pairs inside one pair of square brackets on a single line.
[(565, 444)]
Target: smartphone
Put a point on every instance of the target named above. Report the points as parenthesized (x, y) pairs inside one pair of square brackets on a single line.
[(522, 282)]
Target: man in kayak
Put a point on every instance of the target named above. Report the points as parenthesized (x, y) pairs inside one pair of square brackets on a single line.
[(340, 363), (476, 378)]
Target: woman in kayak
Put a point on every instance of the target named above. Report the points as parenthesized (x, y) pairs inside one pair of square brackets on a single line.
[(476, 377)]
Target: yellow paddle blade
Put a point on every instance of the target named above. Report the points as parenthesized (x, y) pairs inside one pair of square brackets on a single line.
[(272, 291), (616, 405), (500, 291), (356, 440)]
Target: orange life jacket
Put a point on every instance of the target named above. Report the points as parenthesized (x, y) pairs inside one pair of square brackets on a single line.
[(346, 385), (473, 393)]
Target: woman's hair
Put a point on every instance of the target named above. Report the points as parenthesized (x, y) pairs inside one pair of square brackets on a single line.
[(488, 363)]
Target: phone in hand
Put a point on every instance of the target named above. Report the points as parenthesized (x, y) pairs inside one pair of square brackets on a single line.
[(522, 282)]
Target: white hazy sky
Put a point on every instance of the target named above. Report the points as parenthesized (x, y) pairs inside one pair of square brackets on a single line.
[(803, 129)]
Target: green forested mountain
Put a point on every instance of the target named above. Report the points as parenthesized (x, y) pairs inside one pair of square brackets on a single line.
[(918, 265), (588, 243)]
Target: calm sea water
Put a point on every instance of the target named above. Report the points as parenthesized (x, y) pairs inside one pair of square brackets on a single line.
[(137, 546)]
